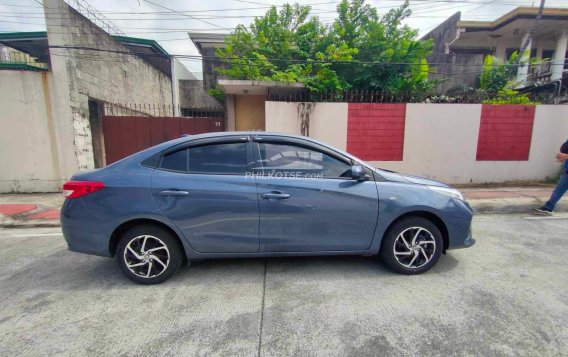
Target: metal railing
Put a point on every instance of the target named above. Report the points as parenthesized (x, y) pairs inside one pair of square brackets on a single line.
[(13, 59), (356, 96), (161, 110)]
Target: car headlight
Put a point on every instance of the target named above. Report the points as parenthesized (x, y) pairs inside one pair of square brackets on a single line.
[(448, 191)]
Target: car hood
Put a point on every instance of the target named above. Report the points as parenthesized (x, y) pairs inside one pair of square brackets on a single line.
[(423, 181), (395, 176)]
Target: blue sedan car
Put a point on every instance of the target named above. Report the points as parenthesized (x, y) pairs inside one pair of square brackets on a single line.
[(256, 194)]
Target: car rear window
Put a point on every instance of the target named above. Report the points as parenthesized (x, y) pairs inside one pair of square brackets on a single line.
[(175, 161), (218, 159)]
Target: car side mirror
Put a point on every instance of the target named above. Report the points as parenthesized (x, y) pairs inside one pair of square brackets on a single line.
[(358, 172)]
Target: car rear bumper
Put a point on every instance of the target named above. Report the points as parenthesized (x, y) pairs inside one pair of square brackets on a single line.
[(82, 233)]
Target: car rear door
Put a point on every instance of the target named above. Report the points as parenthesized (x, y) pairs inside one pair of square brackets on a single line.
[(308, 201), (204, 190)]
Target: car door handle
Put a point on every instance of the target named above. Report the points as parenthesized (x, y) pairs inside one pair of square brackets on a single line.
[(174, 193), (274, 194)]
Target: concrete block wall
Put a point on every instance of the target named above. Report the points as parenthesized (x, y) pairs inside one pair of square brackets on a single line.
[(81, 75), (455, 143)]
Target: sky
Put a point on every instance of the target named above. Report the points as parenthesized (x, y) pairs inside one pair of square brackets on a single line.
[(168, 21)]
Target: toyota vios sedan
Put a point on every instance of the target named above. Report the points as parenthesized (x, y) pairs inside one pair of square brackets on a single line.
[(252, 194)]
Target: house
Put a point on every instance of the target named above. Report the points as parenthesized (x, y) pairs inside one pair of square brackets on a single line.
[(460, 46), (244, 99)]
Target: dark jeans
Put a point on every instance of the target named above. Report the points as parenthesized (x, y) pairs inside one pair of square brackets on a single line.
[(559, 191)]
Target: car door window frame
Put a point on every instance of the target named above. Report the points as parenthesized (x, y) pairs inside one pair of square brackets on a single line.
[(207, 142)]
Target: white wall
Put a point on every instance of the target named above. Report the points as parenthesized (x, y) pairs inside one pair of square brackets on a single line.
[(440, 140), (328, 121), (28, 139)]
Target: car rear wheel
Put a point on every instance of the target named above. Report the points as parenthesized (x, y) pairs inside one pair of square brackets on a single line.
[(412, 246), (148, 254)]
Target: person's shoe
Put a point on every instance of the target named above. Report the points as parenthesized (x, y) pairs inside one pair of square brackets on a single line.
[(543, 210)]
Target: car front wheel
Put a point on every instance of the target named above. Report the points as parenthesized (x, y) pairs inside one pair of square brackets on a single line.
[(412, 246), (148, 254)]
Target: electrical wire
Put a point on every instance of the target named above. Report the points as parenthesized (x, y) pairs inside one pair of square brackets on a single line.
[(232, 59), (192, 17)]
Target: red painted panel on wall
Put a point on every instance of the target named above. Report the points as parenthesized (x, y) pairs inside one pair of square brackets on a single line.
[(505, 132), (375, 132)]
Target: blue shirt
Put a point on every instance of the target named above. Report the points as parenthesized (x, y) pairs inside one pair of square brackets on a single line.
[(564, 150)]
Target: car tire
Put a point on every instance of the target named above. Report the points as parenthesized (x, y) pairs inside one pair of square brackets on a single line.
[(412, 246), (148, 254)]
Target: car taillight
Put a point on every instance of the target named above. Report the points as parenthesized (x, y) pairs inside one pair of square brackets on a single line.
[(74, 189)]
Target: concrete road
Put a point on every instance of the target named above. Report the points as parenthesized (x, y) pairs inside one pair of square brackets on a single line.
[(506, 296)]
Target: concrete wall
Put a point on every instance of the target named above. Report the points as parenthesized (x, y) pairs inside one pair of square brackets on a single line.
[(441, 140), (210, 75), (328, 121), (455, 70), (81, 75), (443, 33), (441, 143), (29, 150), (192, 94)]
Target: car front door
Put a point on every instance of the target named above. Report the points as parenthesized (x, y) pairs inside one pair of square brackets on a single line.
[(204, 190), (308, 201)]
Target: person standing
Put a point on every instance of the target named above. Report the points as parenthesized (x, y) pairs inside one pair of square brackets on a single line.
[(561, 186)]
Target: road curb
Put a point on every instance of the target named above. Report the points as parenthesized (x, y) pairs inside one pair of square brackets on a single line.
[(10, 222), (508, 206), (34, 224)]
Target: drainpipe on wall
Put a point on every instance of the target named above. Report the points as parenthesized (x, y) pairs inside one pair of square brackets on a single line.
[(448, 44), (174, 87)]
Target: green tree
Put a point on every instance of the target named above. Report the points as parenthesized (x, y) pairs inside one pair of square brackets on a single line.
[(398, 57), (290, 46), (284, 46)]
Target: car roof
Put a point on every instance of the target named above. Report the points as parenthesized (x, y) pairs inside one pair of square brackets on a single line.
[(237, 133), (137, 157), (220, 134)]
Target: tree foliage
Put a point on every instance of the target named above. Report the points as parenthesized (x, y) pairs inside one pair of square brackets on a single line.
[(360, 50), (497, 81), (496, 75), (509, 96)]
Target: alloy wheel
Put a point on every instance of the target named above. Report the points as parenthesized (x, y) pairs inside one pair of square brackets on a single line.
[(146, 256), (414, 247)]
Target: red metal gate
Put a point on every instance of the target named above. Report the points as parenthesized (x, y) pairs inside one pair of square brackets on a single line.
[(125, 135)]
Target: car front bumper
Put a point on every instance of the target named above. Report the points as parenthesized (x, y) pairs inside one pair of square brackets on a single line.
[(468, 242)]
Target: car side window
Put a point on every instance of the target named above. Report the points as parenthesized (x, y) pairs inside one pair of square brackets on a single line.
[(297, 161), (175, 161), (218, 159)]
